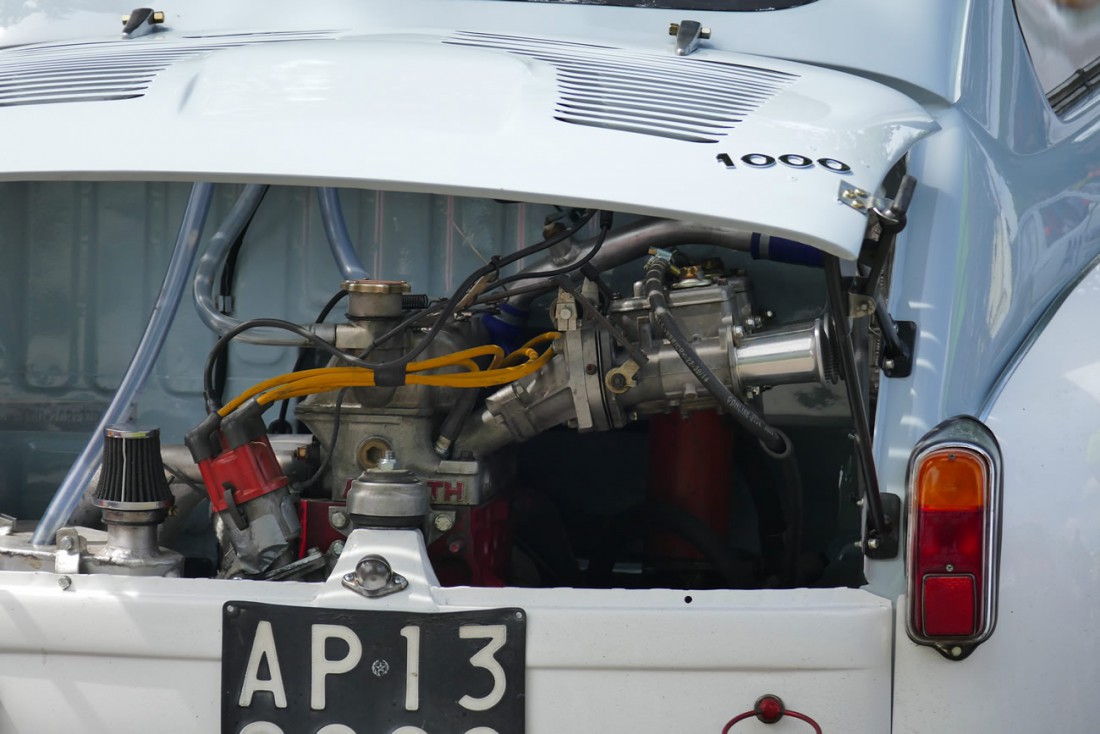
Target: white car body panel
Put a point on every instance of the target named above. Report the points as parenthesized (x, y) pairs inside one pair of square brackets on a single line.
[(663, 663), (1046, 420), (339, 112)]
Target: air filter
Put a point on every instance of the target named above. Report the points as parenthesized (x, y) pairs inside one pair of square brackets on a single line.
[(132, 477)]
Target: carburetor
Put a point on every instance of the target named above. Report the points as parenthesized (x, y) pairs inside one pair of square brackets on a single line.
[(616, 367)]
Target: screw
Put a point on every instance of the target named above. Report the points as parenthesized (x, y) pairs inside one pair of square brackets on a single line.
[(518, 615), (231, 610), (590, 369), (956, 651), (64, 582), (888, 364), (618, 380), (443, 523), (339, 520), (67, 542), (337, 547), (565, 313), (950, 568)]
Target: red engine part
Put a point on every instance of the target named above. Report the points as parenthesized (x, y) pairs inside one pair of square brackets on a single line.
[(317, 531), (477, 550), (690, 470), (250, 471)]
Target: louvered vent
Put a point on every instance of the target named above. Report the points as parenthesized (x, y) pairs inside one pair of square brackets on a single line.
[(694, 100), (109, 70)]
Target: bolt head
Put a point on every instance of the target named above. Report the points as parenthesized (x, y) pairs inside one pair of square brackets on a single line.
[(873, 543), (67, 542), (373, 573), (339, 520), (673, 29), (64, 582), (888, 364), (388, 462), (337, 547), (443, 523)]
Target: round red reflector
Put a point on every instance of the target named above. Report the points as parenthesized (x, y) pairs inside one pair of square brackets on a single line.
[(769, 709)]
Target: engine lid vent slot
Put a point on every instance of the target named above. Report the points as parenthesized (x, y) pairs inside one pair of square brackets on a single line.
[(110, 70), (693, 100)]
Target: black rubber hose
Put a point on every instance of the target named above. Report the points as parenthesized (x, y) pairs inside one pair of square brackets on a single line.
[(656, 270), (791, 493), (456, 418)]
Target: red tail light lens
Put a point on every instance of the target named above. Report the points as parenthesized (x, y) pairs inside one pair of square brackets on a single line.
[(953, 538)]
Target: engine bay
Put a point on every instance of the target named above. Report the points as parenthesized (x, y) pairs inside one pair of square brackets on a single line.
[(626, 402)]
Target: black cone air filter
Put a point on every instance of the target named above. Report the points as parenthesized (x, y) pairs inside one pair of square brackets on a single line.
[(132, 476)]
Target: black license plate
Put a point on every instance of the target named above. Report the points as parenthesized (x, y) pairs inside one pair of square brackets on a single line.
[(300, 670)]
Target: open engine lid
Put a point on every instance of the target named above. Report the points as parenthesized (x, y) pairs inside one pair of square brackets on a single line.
[(715, 137)]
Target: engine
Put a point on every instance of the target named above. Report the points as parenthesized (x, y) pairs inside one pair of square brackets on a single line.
[(444, 416)]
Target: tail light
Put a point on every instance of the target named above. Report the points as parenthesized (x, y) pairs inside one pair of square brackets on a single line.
[(954, 537)]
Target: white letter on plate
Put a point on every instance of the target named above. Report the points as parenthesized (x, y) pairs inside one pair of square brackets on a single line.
[(497, 635), (412, 674), (323, 667), (263, 645)]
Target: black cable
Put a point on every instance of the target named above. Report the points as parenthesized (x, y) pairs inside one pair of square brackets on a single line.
[(494, 265), (448, 309), (281, 425), (330, 449), (666, 322), (225, 290), (605, 227), (405, 324), (182, 478), (220, 346), (505, 295)]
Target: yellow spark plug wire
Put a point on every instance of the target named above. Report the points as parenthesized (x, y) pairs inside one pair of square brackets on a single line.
[(502, 370)]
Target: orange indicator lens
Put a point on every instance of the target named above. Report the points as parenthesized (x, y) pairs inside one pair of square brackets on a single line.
[(951, 479)]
